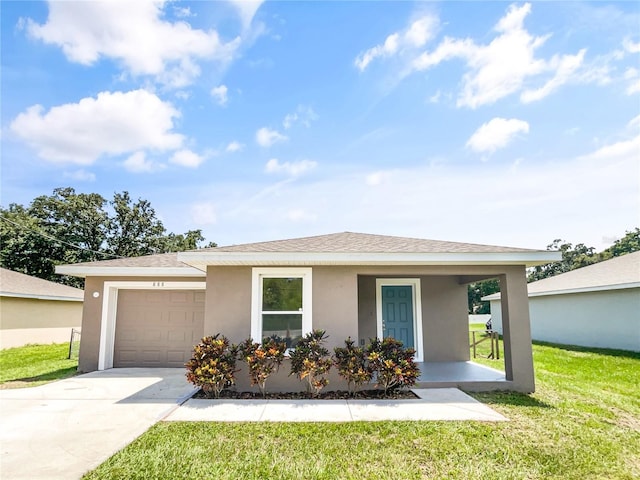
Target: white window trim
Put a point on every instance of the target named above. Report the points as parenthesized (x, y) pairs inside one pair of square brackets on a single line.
[(256, 296), (414, 283), (110, 311)]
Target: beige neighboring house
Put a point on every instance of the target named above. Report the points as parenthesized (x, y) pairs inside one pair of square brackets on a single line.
[(33, 310), (593, 306), (149, 311)]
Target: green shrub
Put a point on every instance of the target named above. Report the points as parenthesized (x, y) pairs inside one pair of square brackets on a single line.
[(213, 366), (351, 362), (262, 360), (392, 364), (310, 360)]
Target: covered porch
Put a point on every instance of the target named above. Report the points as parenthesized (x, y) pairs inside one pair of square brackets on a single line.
[(426, 307)]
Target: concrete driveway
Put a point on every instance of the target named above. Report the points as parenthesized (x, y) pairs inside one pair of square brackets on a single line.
[(63, 429)]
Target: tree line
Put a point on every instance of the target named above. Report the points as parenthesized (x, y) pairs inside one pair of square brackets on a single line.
[(573, 256), (70, 227)]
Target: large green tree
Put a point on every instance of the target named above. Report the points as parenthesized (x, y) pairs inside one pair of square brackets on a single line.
[(627, 244), (70, 227), (573, 256)]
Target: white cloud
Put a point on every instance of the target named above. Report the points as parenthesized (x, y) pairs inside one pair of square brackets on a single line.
[(303, 115), (186, 158), (300, 215), (109, 124), (293, 169), (182, 12), (633, 87), (138, 163), (512, 196), (81, 176), (247, 10), (133, 34), (234, 146), (267, 137), (633, 76), (564, 67), (631, 46), (634, 124), (616, 151), (508, 64), (219, 94), (496, 133), (416, 35), (203, 213), (375, 178), (435, 98)]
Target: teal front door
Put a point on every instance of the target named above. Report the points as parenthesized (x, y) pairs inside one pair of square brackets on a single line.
[(397, 313)]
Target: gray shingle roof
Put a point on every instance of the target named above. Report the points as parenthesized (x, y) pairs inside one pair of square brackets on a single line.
[(18, 284), (158, 260), (349, 242), (613, 273), (345, 243)]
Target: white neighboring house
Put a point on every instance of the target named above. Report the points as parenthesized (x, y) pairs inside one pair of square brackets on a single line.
[(33, 310), (593, 306)]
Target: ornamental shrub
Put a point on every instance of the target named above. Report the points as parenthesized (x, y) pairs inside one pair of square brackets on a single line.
[(213, 366), (351, 362), (310, 360), (262, 359), (392, 364)]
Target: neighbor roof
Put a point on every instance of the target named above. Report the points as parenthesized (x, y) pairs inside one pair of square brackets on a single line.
[(345, 248), (15, 284), (613, 274)]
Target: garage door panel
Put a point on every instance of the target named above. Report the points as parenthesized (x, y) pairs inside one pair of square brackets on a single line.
[(157, 328)]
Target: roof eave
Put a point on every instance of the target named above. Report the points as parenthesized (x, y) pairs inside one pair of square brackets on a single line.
[(567, 291), (201, 260), (41, 297), (83, 271)]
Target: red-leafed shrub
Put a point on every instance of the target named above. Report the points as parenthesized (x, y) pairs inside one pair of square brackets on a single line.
[(392, 364), (352, 365), (262, 359), (213, 365), (310, 361)]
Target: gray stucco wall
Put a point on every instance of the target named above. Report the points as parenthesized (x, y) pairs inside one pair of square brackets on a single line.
[(604, 319), (344, 305)]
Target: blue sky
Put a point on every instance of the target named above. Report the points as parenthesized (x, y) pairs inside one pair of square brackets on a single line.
[(488, 122)]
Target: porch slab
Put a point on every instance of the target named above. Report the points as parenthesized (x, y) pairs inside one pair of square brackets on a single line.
[(465, 375), (432, 404)]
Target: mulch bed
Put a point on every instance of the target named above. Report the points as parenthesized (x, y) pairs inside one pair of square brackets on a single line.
[(330, 395)]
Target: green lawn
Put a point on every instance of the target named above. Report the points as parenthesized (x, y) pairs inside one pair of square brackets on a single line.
[(33, 365), (583, 422)]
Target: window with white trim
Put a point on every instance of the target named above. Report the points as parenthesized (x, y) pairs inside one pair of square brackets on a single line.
[(281, 304)]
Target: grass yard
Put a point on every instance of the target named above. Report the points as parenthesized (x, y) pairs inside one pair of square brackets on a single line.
[(582, 423), (33, 365)]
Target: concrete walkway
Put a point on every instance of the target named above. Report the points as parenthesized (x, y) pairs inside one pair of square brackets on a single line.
[(63, 429), (434, 404)]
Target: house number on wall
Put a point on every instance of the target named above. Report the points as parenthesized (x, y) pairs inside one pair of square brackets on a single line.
[(158, 284)]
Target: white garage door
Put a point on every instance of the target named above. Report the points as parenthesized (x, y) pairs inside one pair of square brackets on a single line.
[(157, 328)]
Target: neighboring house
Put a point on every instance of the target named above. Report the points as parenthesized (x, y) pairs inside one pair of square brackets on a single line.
[(33, 310), (149, 311), (593, 306)]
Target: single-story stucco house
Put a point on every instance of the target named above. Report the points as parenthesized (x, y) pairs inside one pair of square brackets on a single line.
[(149, 311), (33, 310), (593, 306)]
